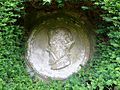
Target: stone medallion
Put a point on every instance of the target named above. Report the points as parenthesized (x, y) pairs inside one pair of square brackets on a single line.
[(57, 48)]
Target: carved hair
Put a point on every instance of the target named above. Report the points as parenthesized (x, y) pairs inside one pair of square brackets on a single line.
[(61, 36)]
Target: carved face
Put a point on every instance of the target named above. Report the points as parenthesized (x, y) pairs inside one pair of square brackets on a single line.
[(59, 39)]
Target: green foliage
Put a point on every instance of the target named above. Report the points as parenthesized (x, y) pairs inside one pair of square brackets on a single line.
[(101, 72), (111, 48)]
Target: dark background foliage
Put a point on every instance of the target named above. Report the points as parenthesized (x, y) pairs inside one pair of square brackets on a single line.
[(102, 72)]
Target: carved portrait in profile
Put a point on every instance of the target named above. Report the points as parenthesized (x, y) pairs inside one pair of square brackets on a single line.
[(60, 42)]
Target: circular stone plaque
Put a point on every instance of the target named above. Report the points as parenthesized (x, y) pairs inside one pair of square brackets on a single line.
[(57, 48)]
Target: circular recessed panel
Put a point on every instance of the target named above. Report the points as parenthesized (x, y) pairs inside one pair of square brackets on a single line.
[(57, 48)]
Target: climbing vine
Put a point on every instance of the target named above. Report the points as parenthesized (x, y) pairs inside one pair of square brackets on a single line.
[(102, 72)]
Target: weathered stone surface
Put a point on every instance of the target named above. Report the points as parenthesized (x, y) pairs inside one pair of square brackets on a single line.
[(58, 46)]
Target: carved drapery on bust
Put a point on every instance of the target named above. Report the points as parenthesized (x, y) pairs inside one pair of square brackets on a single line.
[(60, 42)]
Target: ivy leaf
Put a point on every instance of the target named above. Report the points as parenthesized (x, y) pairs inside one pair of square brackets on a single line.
[(84, 7), (46, 1)]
